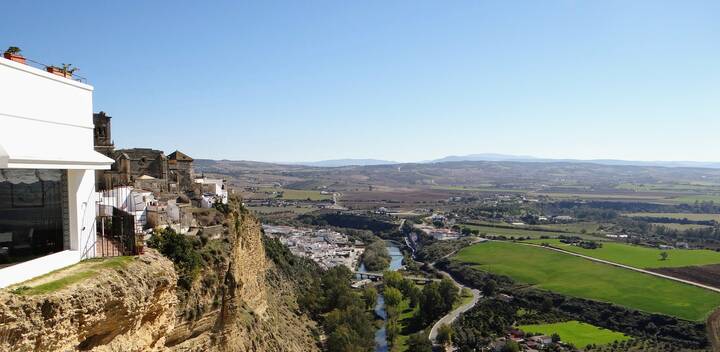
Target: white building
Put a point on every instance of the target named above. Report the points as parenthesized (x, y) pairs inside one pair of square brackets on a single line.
[(47, 172), (214, 190), (128, 199)]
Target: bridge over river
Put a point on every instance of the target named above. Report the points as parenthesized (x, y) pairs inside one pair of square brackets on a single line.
[(379, 277)]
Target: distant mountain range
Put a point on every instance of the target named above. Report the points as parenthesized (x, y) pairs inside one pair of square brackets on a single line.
[(506, 157), (343, 162), (524, 158)]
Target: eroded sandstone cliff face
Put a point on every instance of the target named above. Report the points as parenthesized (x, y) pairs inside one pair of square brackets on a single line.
[(126, 309), (253, 314), (231, 306)]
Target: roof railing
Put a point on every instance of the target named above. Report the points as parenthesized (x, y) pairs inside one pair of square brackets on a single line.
[(44, 67)]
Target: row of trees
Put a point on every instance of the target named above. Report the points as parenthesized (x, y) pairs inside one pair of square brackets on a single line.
[(554, 306), (432, 302), (342, 311)]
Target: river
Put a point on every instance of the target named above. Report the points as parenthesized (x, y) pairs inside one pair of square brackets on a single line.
[(396, 259)]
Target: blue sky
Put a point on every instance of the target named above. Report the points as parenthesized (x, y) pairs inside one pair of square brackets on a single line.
[(398, 80)]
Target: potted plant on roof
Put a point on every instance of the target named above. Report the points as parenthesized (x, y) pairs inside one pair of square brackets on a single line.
[(66, 70), (13, 53)]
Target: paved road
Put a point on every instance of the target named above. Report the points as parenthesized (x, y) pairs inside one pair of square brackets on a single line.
[(697, 284), (454, 314), (450, 317)]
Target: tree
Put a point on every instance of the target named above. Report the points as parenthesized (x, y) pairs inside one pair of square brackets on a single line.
[(555, 337), (444, 335), (343, 339), (337, 292), (431, 304), (392, 329), (393, 296), (449, 293), (510, 346), (663, 255), (406, 286), (419, 343), (489, 288), (414, 296), (406, 228), (392, 279), (369, 296), (376, 256)]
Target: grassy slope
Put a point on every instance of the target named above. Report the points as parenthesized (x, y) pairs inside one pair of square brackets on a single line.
[(405, 320), (579, 277), (641, 257), (67, 276), (577, 333)]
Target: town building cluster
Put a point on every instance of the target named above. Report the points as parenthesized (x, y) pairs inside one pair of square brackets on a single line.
[(326, 247), (155, 189)]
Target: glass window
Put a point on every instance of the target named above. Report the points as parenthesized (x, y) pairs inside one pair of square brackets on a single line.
[(31, 223)]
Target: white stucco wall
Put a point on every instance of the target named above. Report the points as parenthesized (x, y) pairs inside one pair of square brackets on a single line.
[(49, 119), (81, 195), (43, 114)]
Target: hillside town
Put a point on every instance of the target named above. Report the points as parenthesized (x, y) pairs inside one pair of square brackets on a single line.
[(157, 190), (326, 247)]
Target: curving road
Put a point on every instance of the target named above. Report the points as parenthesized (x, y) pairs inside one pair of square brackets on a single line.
[(450, 317), (454, 314)]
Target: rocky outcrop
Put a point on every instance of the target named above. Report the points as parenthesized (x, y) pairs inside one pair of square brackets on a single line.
[(125, 309), (254, 314), (239, 302)]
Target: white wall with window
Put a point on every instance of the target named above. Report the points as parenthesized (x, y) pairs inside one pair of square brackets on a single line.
[(47, 172)]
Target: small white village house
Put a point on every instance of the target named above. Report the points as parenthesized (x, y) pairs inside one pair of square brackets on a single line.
[(47, 172)]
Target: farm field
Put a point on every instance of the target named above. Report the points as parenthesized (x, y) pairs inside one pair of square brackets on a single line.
[(275, 210), (597, 196), (576, 227), (639, 256), (292, 194), (679, 216), (573, 276), (692, 198), (578, 333), (680, 227), (518, 232), (705, 274)]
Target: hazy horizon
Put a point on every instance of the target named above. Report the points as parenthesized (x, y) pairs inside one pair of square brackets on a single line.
[(404, 81)]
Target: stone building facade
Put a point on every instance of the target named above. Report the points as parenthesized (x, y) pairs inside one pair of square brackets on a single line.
[(143, 168)]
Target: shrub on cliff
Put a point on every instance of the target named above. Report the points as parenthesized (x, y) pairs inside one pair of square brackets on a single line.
[(181, 250)]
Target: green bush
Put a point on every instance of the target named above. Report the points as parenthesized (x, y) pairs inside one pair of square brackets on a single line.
[(181, 250)]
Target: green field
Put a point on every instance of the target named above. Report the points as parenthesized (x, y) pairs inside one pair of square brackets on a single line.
[(573, 276), (640, 256), (680, 227), (577, 333), (692, 198), (518, 231), (689, 216), (405, 320)]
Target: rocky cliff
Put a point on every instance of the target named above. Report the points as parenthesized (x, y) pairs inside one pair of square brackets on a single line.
[(238, 301), (126, 309)]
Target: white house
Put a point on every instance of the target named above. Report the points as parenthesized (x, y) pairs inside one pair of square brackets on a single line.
[(214, 190), (47, 172), (126, 198)]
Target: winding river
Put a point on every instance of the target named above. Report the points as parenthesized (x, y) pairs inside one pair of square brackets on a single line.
[(395, 264)]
